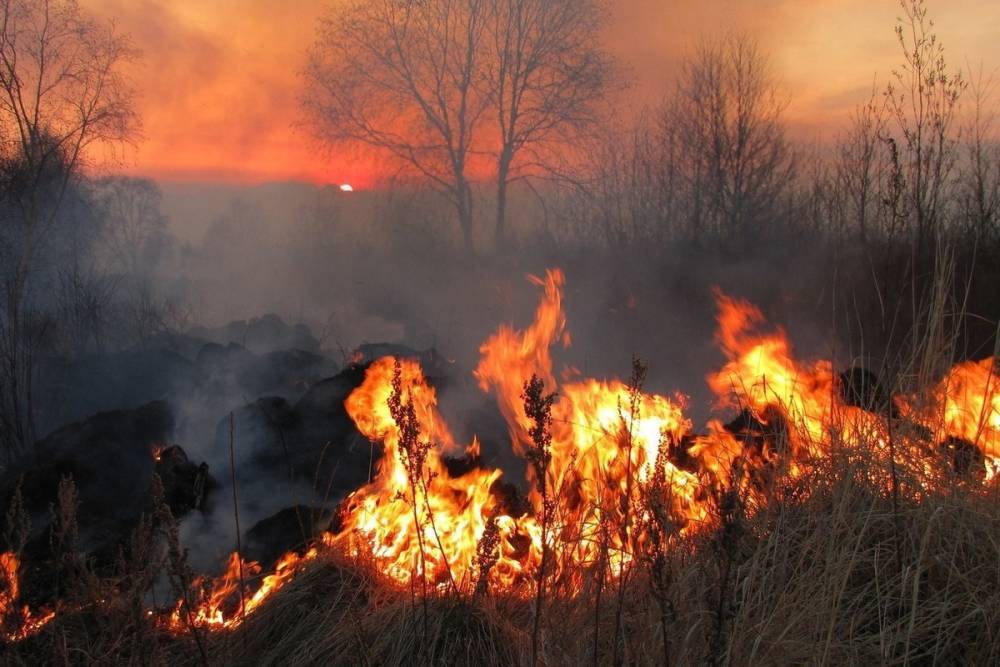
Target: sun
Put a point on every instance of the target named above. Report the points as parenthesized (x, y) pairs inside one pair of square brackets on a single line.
[(346, 187)]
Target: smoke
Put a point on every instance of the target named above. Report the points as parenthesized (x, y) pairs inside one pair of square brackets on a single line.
[(386, 267), (281, 283)]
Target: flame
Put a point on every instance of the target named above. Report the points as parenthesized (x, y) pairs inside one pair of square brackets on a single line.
[(971, 404), (394, 519), (589, 465), (509, 358), (624, 465), (473, 449), (606, 443), (18, 622), (223, 602), (763, 377), (964, 405), (611, 441)]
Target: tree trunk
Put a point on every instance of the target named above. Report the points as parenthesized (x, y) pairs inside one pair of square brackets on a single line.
[(463, 205), (503, 172)]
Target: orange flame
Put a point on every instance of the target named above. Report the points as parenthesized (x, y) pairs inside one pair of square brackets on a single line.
[(510, 357), (613, 446), (607, 439), (18, 623), (451, 513), (223, 603), (761, 373), (965, 404)]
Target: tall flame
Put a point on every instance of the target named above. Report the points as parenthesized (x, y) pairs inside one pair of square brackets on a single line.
[(509, 357), (433, 521), (620, 457), (762, 377), (611, 441)]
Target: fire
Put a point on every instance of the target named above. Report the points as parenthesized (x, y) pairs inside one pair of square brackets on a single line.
[(610, 441), (624, 466), (609, 437), (17, 622), (223, 603), (510, 357), (608, 444), (965, 406), (802, 401), (415, 521), (972, 405)]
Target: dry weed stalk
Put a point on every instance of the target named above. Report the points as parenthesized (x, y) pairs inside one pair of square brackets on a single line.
[(179, 570), (538, 408)]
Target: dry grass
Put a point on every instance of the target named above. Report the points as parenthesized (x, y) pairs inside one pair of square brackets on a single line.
[(815, 581), (335, 613)]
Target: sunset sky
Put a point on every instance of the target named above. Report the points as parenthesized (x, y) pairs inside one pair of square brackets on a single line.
[(220, 79)]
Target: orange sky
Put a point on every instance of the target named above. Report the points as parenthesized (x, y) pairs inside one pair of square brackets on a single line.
[(219, 79)]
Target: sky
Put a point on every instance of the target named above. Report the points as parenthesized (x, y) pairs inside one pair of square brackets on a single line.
[(219, 81)]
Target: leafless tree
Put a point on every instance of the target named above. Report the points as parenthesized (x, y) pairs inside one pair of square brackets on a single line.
[(404, 78), (630, 190), (133, 224), (980, 182), (923, 100), (455, 90), (547, 76), (728, 114), (62, 92), (860, 170)]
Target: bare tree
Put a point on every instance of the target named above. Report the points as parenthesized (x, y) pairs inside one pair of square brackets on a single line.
[(729, 117), (980, 183), (62, 91), (444, 87), (629, 192), (860, 171), (403, 77), (711, 163), (134, 227), (546, 75), (923, 100)]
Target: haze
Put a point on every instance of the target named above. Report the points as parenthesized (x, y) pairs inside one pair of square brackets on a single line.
[(220, 81)]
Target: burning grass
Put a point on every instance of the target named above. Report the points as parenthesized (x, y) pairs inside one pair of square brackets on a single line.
[(827, 523), (813, 578)]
